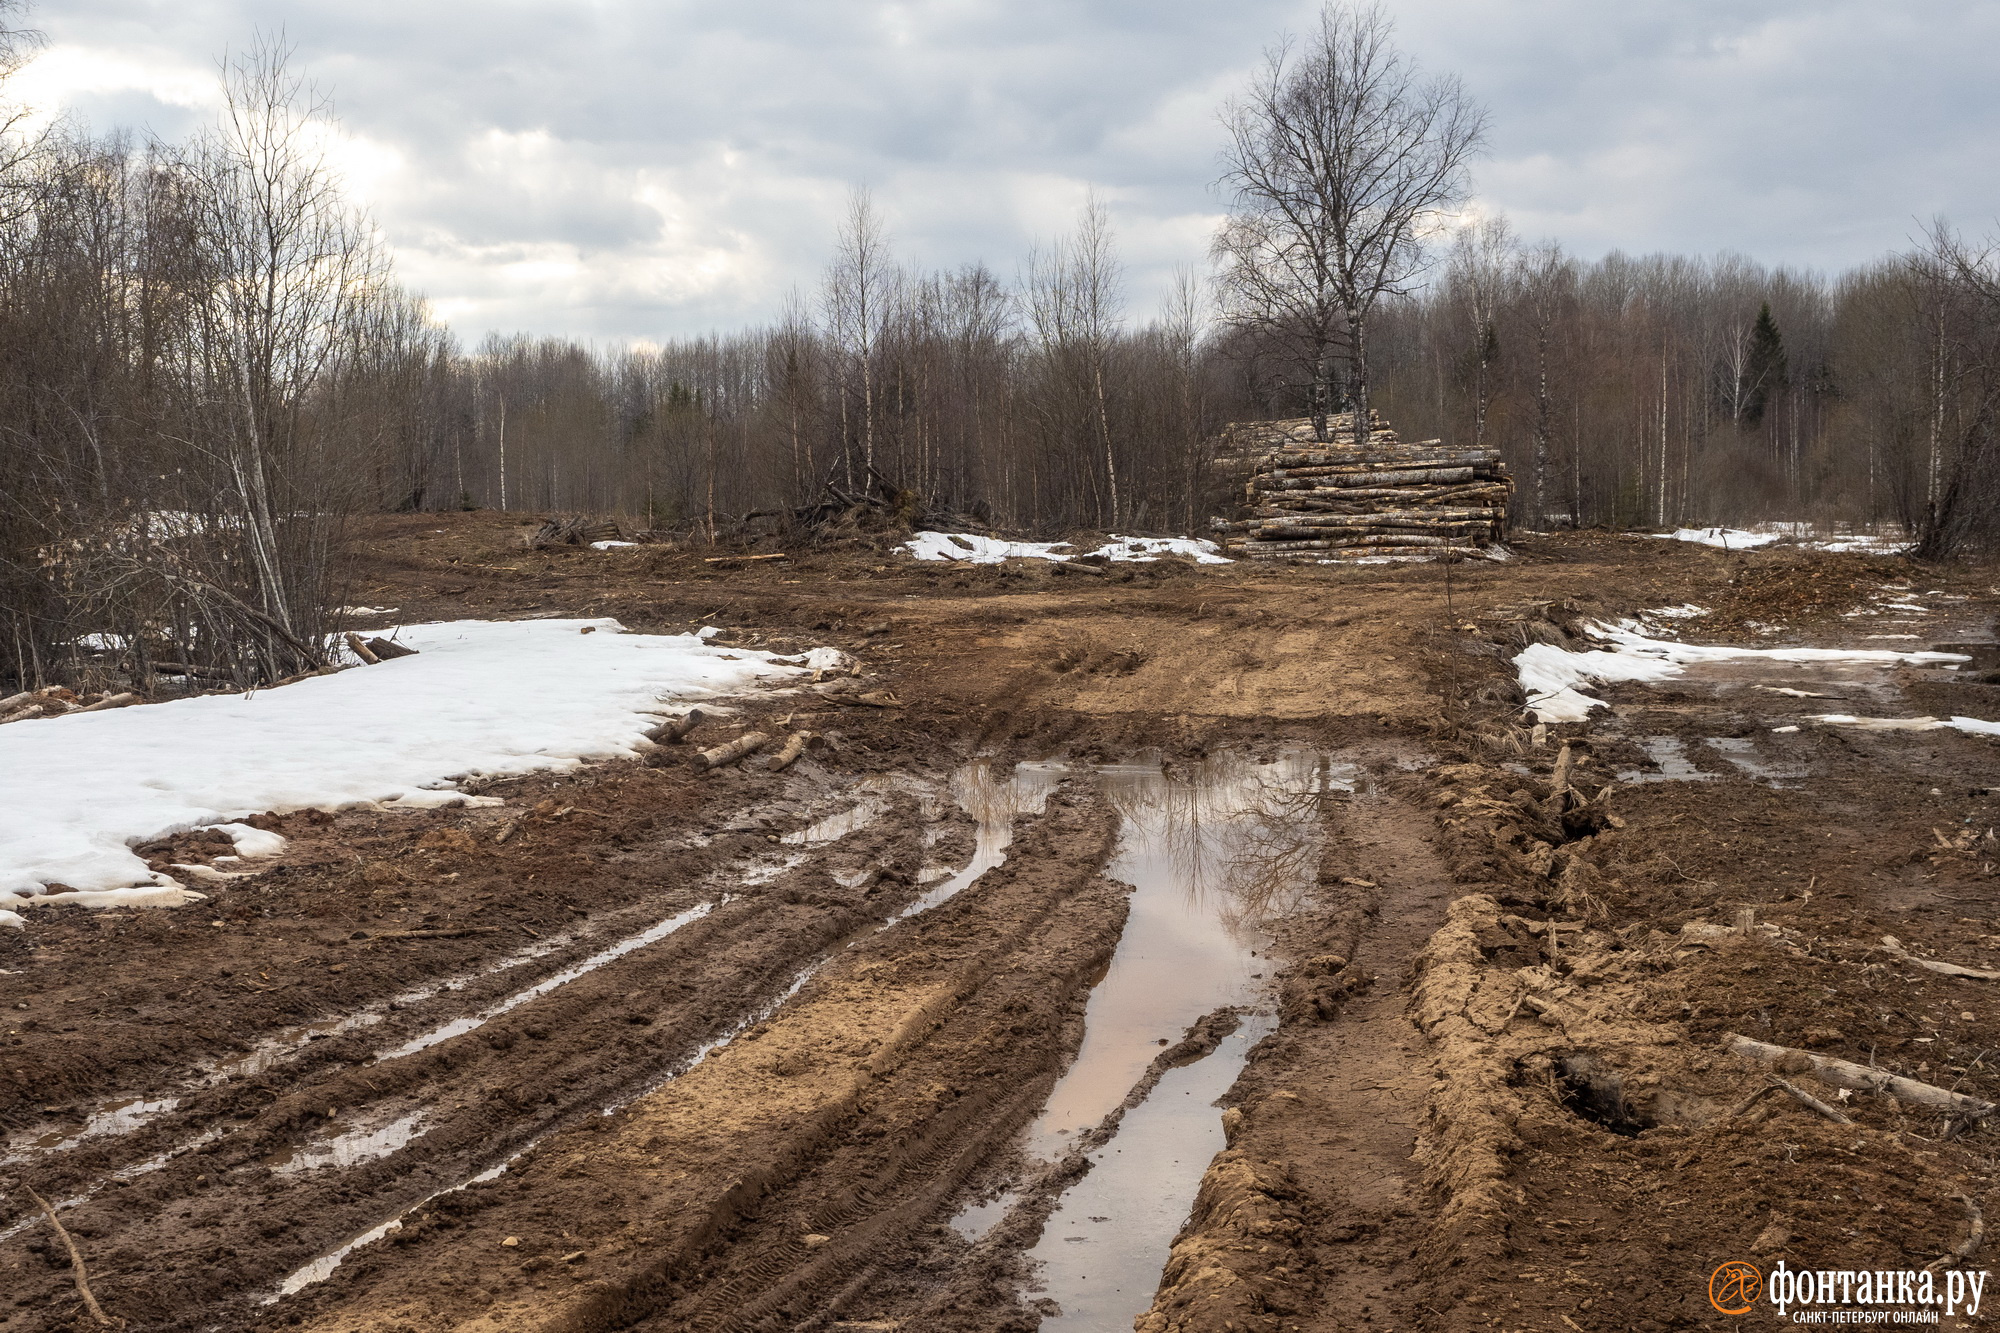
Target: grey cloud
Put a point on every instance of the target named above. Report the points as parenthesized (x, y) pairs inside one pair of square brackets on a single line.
[(695, 155)]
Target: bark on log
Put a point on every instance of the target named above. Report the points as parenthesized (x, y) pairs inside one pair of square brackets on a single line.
[(794, 747), (125, 700), (13, 701), (748, 743), (1847, 1074), (384, 649), (361, 650), (1938, 965), (670, 733)]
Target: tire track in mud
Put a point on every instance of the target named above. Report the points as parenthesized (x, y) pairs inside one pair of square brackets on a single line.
[(860, 1106), (217, 1223)]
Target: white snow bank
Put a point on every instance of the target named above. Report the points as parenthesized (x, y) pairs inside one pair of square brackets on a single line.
[(979, 550), (1744, 539), (480, 698), (1971, 725), (1729, 539), (1152, 548), (1551, 676)]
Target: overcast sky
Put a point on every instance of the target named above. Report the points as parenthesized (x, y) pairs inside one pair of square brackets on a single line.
[(622, 170)]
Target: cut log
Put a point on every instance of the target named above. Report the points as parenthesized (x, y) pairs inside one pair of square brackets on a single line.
[(671, 733), (13, 701), (795, 745), (1897, 951), (385, 649), (361, 650), (125, 700), (1847, 1074), (748, 743)]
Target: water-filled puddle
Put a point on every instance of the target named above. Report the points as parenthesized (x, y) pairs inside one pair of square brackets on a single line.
[(1669, 756), (1101, 1254), (121, 1115), (364, 1143), (994, 801), (458, 1027), (1211, 852), (1742, 752)]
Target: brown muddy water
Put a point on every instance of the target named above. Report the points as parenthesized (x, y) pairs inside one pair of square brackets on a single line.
[(1212, 852)]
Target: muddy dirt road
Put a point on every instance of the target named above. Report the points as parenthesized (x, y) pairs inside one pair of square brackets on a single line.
[(1212, 948)]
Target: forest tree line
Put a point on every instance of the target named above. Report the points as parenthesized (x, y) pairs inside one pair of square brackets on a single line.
[(207, 368)]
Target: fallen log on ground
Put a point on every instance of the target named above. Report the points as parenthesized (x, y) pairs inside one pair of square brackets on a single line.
[(1896, 950), (1860, 1078), (747, 559), (671, 733), (795, 746), (361, 650), (125, 700), (747, 744), (385, 649)]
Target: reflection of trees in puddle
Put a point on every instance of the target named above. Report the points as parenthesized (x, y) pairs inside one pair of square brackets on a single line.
[(995, 799), (1242, 838)]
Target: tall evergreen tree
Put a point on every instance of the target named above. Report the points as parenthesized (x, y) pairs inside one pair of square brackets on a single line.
[(1764, 369)]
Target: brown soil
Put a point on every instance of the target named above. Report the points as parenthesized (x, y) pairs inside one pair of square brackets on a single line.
[(1467, 1117)]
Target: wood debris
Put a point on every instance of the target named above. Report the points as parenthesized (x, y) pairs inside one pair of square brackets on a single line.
[(1348, 499)]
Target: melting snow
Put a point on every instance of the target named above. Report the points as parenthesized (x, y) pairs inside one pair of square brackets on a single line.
[(1970, 725), (978, 550), (1552, 676), (1729, 539), (481, 698)]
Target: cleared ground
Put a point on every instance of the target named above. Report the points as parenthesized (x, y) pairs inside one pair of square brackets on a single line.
[(799, 1103)]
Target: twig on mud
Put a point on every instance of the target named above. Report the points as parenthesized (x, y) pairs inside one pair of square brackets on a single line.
[(1810, 1102), (1748, 1102), (75, 1260), (1975, 1237)]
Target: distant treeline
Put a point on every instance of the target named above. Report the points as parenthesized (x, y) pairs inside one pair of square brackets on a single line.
[(206, 366)]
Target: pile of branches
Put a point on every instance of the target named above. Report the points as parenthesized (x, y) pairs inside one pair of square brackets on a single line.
[(575, 530), (1345, 498), (873, 507)]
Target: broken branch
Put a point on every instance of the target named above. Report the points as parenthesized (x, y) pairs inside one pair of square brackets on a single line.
[(1847, 1074), (75, 1259), (1810, 1102)]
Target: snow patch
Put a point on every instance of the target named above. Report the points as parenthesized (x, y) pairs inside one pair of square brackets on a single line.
[(1970, 725), (977, 550), (610, 546), (1551, 676), (1728, 539), (481, 698)]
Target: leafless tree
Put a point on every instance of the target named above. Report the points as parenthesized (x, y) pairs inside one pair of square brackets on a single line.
[(1342, 157), (861, 292), (1075, 305), (1961, 280)]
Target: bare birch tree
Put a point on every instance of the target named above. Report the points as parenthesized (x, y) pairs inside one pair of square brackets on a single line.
[(1342, 156)]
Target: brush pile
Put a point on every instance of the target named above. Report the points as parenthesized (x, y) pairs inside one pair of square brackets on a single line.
[(1348, 499)]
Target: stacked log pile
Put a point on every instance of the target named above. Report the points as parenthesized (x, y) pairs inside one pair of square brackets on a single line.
[(1349, 499)]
